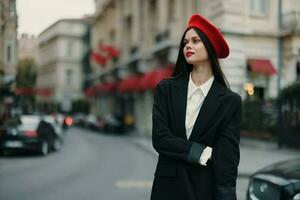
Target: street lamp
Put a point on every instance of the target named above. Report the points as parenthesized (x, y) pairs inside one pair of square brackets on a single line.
[(279, 71), (280, 63), (249, 88)]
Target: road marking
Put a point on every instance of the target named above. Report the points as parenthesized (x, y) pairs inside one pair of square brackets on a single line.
[(133, 184)]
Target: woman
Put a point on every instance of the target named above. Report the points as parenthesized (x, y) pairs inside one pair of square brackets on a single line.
[(196, 120)]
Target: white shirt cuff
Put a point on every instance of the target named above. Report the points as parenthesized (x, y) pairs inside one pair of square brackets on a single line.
[(205, 156)]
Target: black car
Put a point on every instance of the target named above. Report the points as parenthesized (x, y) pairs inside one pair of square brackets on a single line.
[(30, 133), (113, 124), (118, 123), (280, 181)]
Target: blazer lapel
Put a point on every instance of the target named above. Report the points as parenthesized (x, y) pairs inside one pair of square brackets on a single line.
[(208, 108), (179, 99)]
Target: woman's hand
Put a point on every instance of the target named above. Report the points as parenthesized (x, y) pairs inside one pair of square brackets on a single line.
[(205, 156)]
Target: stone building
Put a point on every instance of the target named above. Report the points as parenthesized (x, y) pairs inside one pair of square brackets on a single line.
[(8, 52), (62, 48), (8, 36), (27, 46), (263, 36)]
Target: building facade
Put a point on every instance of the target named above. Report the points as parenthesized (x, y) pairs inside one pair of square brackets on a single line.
[(8, 53), (8, 36), (263, 36), (27, 46), (61, 51)]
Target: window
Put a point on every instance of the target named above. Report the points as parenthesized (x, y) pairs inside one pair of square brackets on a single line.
[(152, 5), (69, 74), (9, 53), (258, 7), (112, 35), (153, 15), (128, 22), (70, 47), (12, 12), (141, 20), (171, 11)]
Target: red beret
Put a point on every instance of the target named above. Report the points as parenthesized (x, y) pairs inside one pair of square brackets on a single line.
[(212, 33)]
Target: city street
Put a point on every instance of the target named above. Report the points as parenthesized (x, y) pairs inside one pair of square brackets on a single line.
[(89, 166), (100, 166), (111, 65)]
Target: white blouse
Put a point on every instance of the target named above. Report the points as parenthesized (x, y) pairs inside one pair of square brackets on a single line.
[(195, 97)]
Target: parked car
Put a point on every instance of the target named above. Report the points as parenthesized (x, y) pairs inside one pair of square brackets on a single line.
[(280, 181), (118, 123), (94, 123), (79, 120), (113, 124), (31, 133)]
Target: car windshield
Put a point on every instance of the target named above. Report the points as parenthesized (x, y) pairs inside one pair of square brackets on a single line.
[(49, 119), (29, 123)]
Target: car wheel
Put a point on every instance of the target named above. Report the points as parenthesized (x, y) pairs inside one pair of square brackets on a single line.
[(44, 148), (56, 144)]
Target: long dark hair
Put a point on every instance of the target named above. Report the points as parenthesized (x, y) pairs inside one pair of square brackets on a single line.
[(182, 68)]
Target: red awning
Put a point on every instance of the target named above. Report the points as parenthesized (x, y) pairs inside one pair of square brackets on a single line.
[(152, 78), (90, 91), (129, 84), (106, 87), (110, 50), (44, 92), (100, 59), (262, 66), (34, 91), (25, 91)]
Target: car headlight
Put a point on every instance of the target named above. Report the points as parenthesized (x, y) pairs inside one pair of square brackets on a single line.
[(296, 197)]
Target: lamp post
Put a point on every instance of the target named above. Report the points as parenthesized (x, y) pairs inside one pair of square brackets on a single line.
[(279, 72), (280, 63)]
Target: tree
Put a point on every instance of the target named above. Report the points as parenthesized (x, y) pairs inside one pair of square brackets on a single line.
[(26, 79), (26, 73)]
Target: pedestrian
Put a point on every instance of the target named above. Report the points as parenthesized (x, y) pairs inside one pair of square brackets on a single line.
[(196, 121)]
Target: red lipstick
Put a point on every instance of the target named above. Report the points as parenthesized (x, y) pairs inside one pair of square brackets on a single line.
[(189, 53)]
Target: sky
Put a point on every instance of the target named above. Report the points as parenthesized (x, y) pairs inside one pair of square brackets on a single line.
[(34, 16)]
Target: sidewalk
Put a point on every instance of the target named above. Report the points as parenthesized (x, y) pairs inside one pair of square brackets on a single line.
[(255, 154)]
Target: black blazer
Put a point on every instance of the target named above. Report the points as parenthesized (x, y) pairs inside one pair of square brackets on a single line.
[(178, 174)]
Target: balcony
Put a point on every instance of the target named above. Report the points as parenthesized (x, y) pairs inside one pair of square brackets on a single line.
[(163, 41), (134, 55), (291, 21)]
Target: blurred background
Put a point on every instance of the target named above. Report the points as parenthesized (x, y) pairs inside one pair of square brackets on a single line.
[(88, 69)]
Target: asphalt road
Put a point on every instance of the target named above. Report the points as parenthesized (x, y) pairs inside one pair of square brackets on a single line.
[(89, 166)]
